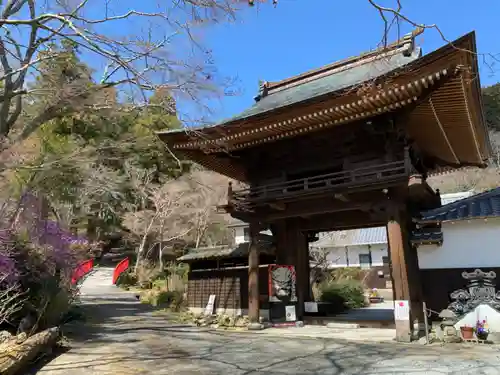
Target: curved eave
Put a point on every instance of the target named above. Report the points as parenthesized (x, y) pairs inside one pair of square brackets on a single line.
[(441, 89), (352, 108), (452, 117)]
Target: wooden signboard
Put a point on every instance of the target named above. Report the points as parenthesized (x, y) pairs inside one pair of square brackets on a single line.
[(209, 309)]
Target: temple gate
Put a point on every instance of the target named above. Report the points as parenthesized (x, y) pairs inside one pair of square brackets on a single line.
[(345, 146)]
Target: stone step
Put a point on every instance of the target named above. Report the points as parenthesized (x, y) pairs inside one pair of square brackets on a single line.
[(338, 325)]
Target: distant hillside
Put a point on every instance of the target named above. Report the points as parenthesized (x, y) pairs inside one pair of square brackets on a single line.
[(466, 179)]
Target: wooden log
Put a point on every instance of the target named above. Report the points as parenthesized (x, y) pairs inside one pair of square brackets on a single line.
[(15, 356)]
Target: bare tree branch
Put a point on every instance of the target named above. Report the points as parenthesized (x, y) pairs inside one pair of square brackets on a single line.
[(138, 63)]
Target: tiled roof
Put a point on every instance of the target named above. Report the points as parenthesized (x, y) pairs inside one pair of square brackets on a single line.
[(423, 236), (452, 197), (343, 78), (265, 246), (353, 237), (236, 223), (486, 204), (329, 79)]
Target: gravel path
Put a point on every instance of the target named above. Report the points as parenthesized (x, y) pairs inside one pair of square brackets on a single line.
[(125, 337)]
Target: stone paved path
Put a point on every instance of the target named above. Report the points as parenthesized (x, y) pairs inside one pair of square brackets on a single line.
[(125, 337)]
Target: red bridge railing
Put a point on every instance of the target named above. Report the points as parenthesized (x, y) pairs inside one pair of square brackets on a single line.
[(120, 268), (83, 269)]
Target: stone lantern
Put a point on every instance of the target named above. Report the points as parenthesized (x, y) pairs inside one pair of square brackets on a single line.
[(449, 332)]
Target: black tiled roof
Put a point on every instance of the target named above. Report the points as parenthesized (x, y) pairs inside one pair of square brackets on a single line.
[(227, 252), (424, 235), (486, 204)]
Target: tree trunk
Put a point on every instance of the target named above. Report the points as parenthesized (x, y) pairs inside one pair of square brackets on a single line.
[(143, 243), (16, 356), (160, 250)]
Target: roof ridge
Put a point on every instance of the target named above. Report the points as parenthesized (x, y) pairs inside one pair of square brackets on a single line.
[(473, 197), (460, 202), (267, 88)]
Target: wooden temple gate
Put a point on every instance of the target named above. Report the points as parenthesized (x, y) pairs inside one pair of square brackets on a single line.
[(346, 146)]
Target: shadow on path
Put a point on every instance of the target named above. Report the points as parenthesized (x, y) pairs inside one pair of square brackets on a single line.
[(122, 336)]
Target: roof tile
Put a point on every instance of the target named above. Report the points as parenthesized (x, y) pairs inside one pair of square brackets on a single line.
[(486, 204)]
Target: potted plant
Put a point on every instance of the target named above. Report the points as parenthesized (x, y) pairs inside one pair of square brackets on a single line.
[(467, 332), (482, 330), (375, 296)]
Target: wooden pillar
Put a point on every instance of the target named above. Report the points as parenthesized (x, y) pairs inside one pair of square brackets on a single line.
[(292, 248), (299, 257), (303, 273), (253, 279), (406, 282)]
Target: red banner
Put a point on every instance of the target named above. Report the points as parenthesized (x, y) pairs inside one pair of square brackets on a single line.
[(120, 268), (82, 269)]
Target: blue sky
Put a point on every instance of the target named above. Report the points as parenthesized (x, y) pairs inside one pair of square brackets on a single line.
[(274, 43)]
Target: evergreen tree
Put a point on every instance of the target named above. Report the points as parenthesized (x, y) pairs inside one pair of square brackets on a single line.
[(491, 103), (90, 152)]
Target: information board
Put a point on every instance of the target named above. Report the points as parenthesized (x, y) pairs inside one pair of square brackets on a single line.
[(401, 310), (291, 316), (209, 309)]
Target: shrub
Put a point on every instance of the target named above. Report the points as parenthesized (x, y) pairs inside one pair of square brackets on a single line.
[(160, 284), (346, 293), (348, 273), (126, 279), (171, 299), (43, 275)]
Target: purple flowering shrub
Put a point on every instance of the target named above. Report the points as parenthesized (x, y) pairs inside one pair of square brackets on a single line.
[(38, 257)]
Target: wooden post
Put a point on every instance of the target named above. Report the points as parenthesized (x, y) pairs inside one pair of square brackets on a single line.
[(298, 256), (230, 195), (292, 248), (404, 272), (303, 273), (253, 279)]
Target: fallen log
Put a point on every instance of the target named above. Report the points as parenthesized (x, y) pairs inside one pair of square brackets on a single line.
[(15, 355)]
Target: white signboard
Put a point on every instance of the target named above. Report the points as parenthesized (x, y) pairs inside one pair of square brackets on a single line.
[(311, 307), (401, 310), (209, 309), (290, 313)]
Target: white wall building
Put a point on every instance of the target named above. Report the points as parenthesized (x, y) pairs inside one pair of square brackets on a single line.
[(460, 264), (363, 247), (242, 232), (353, 248), (368, 247), (472, 243)]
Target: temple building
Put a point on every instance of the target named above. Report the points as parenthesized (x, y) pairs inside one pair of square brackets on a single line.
[(349, 145)]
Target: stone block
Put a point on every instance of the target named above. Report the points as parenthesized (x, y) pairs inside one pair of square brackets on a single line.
[(403, 331), (338, 325), (255, 327)]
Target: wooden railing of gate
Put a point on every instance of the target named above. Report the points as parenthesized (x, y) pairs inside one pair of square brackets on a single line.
[(365, 176)]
